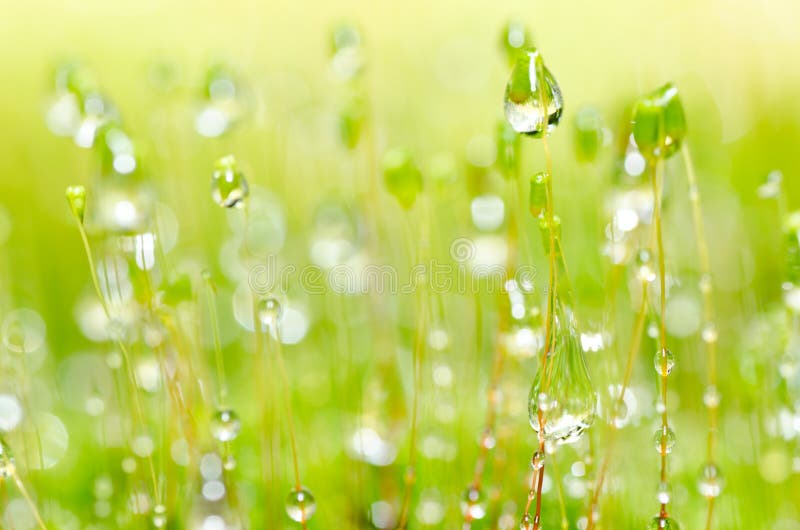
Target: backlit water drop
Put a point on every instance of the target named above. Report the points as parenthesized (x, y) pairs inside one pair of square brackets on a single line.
[(300, 505), (228, 185), (533, 102)]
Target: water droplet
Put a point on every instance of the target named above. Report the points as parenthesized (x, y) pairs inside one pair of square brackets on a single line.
[(347, 60), (225, 425), (159, 516), (711, 482), (300, 505), (664, 492), (662, 523), (222, 105), (526, 523), (530, 85), (664, 362), (121, 205), (664, 440), (473, 503), (269, 312), (711, 397), (228, 185), (537, 461), (488, 441), (569, 402), (621, 415), (645, 271), (659, 124)]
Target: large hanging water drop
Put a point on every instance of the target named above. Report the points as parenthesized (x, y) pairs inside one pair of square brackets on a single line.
[(562, 391), (533, 103), (228, 186)]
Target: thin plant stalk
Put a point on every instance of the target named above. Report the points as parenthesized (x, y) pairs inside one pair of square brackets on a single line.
[(417, 353), (658, 176), (636, 340), (549, 321), (708, 310), (222, 385), (139, 414), (287, 397), (515, 228), (31, 505)]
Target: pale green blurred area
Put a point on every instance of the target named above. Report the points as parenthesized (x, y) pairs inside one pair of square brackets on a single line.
[(435, 78), (735, 63)]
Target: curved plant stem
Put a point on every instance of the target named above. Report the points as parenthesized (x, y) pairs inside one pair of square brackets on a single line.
[(706, 289), (139, 413)]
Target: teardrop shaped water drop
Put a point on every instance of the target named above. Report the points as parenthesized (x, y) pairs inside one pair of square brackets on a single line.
[(569, 406), (228, 185), (664, 362), (533, 102)]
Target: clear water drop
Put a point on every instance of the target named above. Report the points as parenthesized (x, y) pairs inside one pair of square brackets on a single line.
[(664, 440), (526, 523), (710, 482), (645, 271), (530, 85), (229, 186), (664, 492), (159, 516), (663, 523), (664, 362), (473, 503), (563, 391), (711, 397), (269, 312), (225, 425), (300, 505), (537, 461)]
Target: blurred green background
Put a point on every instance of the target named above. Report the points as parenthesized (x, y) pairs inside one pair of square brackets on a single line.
[(434, 79)]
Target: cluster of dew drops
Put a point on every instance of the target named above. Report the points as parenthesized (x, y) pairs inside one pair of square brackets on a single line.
[(77, 110)]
